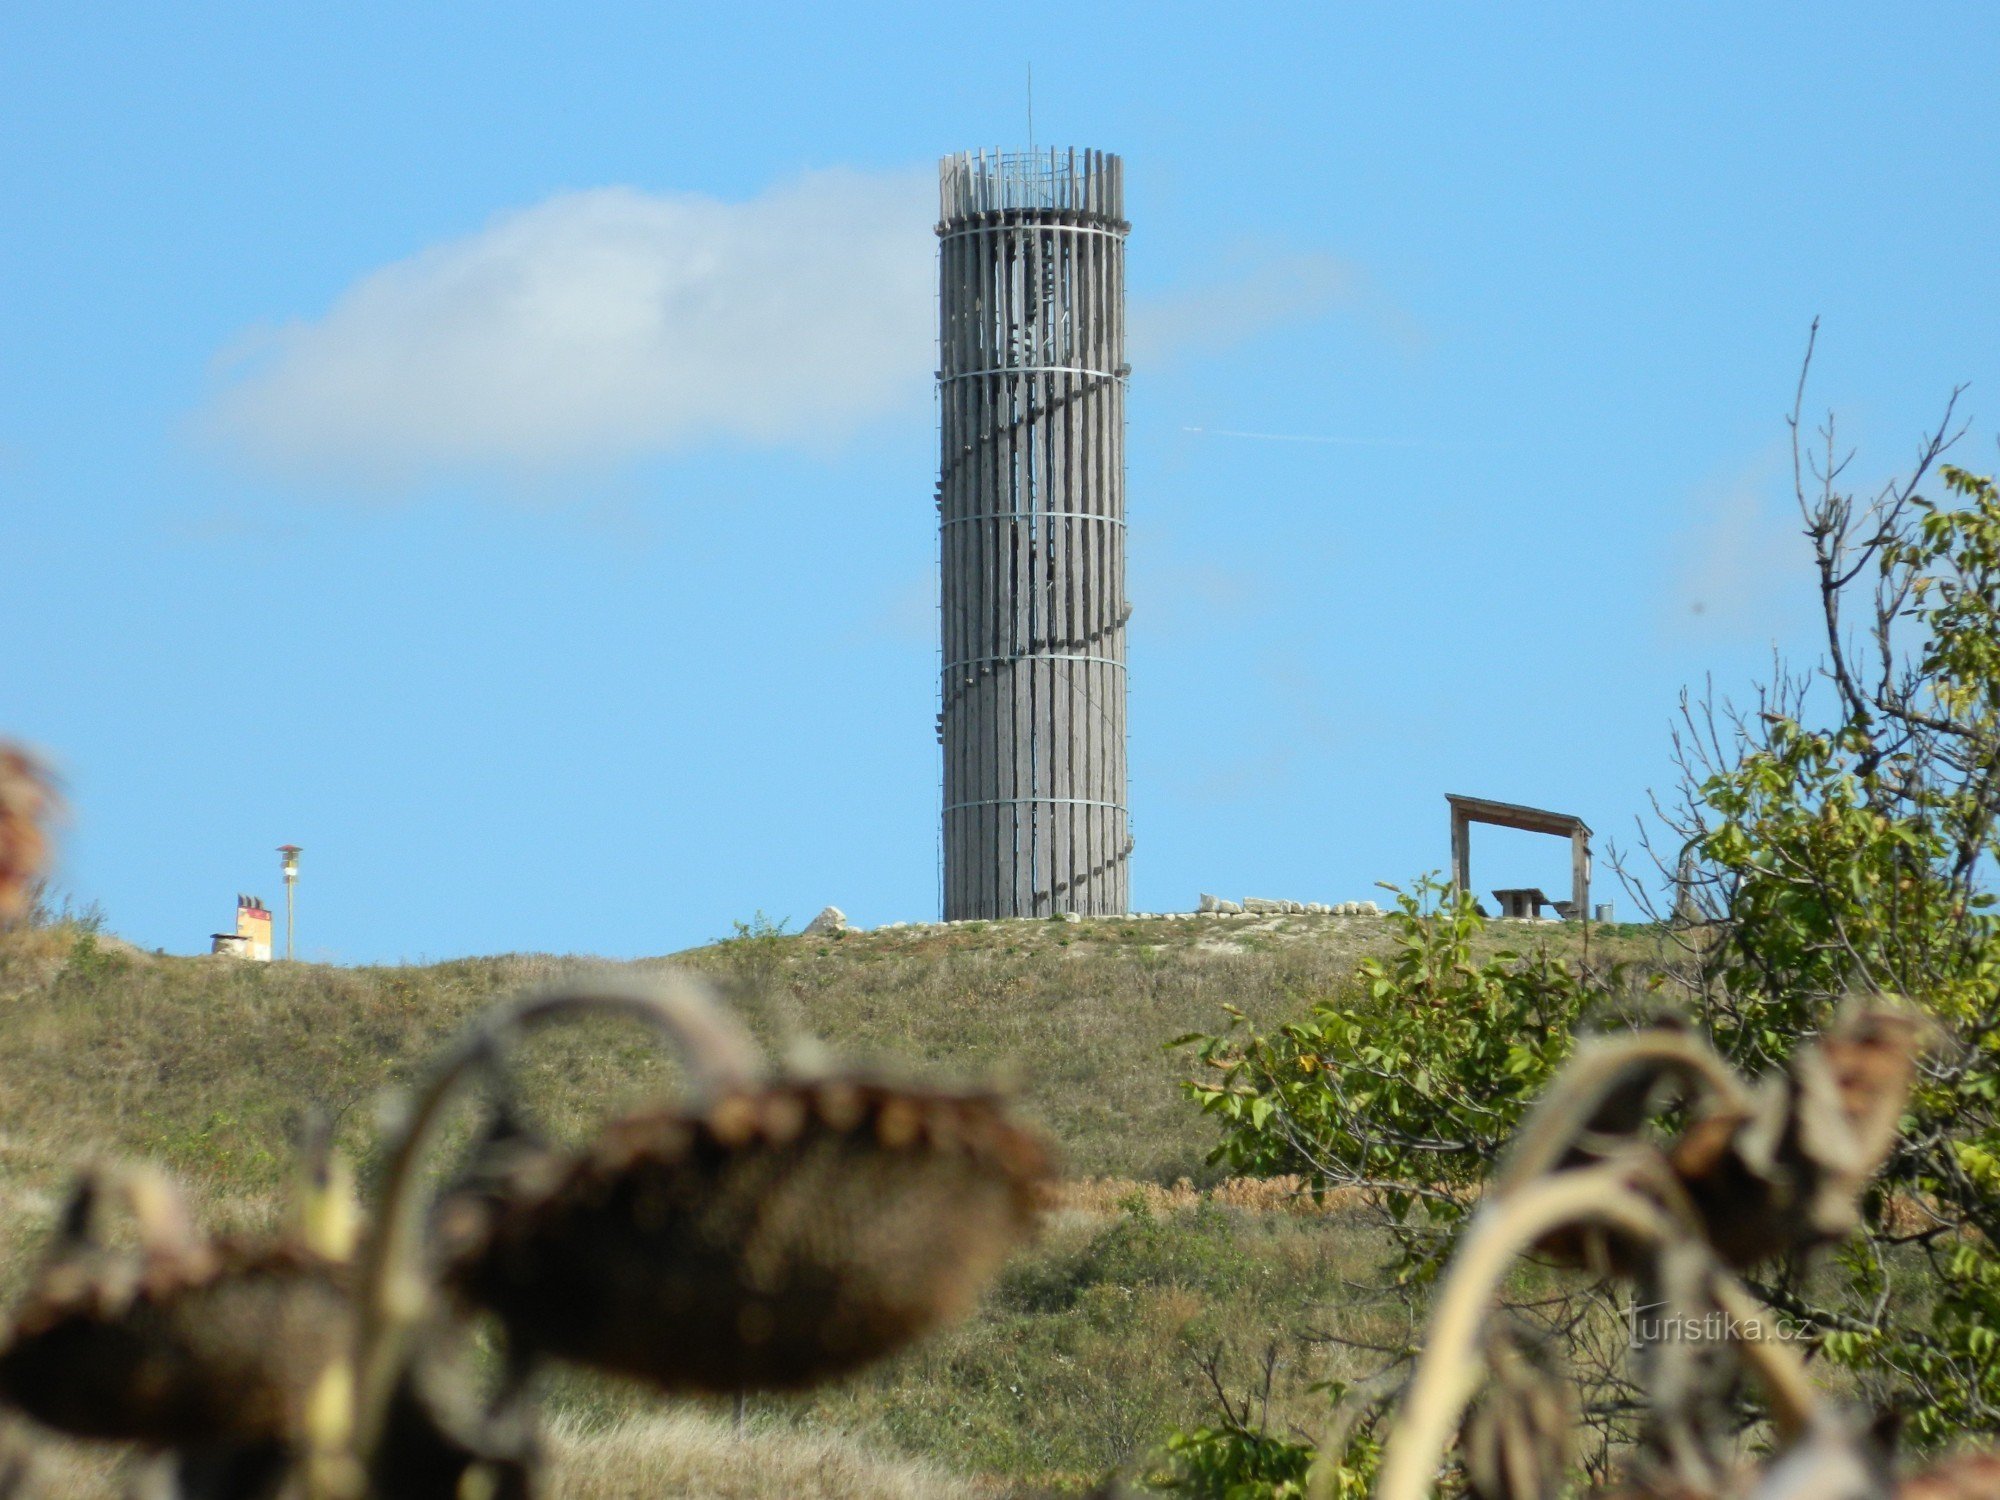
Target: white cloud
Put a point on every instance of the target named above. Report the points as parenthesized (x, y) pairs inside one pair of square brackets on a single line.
[(603, 325), (610, 324)]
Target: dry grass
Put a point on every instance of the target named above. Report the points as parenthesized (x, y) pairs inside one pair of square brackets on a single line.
[(1083, 1359), (1103, 1196), (656, 1457), (1079, 1364), (1086, 1355), (695, 1454), (48, 1468), (202, 1060)]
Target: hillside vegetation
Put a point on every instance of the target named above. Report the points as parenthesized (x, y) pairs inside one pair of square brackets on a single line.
[(1085, 1357)]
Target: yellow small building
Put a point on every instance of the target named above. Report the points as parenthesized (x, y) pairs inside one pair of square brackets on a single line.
[(252, 937)]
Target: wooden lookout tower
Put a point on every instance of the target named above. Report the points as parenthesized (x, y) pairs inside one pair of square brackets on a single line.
[(1031, 504)]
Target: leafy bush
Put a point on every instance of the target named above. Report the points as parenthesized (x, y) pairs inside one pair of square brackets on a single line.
[(1856, 856), (1836, 840), (1401, 1091), (1234, 1462)]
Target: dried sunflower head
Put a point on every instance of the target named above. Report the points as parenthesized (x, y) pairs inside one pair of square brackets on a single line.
[(778, 1237), (1787, 1172), (27, 803), (231, 1345), (178, 1343)]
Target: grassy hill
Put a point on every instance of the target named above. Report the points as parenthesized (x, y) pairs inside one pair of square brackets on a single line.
[(1087, 1353)]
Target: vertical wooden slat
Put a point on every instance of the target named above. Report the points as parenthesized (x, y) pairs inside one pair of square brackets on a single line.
[(969, 715), (1063, 671), (1032, 499), (951, 316), (998, 618), (1088, 781), (1086, 503), (979, 820), (1018, 786), (1120, 886)]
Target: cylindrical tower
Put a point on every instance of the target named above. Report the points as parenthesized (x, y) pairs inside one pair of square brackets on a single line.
[(1031, 499)]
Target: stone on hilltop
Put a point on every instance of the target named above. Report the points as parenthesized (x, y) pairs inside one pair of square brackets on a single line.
[(829, 923)]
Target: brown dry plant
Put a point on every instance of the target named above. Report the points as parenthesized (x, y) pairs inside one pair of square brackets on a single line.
[(27, 806), (1774, 1167), (178, 1342), (760, 1235), (771, 1241)]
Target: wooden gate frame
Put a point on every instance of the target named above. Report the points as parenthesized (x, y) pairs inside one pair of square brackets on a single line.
[(1465, 811)]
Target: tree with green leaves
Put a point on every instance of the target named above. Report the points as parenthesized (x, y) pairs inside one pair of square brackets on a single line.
[(1836, 838)]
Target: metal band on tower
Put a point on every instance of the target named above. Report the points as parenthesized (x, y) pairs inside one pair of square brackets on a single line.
[(1031, 500)]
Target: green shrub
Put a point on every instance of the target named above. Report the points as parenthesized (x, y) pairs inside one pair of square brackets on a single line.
[(1837, 841), (1399, 1086), (1233, 1462)]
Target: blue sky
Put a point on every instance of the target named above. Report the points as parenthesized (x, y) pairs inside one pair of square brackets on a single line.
[(418, 441)]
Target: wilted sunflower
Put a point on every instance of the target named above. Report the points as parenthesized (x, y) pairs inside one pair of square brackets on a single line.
[(1771, 1166), (27, 802), (180, 1343), (1786, 1173), (780, 1236)]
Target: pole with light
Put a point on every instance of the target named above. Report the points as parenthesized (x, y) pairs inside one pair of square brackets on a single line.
[(290, 853)]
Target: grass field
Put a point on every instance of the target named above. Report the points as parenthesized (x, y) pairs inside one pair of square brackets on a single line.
[(1082, 1360)]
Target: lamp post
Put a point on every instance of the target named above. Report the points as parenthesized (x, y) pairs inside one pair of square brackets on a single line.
[(290, 854)]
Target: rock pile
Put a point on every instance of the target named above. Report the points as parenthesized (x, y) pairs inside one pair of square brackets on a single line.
[(833, 921), (1267, 906)]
